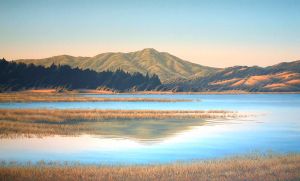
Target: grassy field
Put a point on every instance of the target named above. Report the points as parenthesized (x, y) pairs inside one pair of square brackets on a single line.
[(73, 97), (284, 167), (45, 122)]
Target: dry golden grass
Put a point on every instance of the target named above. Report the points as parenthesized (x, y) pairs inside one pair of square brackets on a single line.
[(73, 97), (276, 85), (223, 82), (288, 75), (258, 79), (65, 115), (19, 129), (285, 77), (88, 91), (294, 82), (44, 122), (238, 83), (280, 167), (41, 91)]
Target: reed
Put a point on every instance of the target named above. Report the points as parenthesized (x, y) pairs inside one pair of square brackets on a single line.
[(280, 167), (45, 122), (69, 115), (74, 97)]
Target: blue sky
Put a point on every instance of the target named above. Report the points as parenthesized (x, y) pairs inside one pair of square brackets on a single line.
[(210, 32)]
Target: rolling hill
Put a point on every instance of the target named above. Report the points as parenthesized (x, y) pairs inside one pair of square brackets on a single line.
[(168, 67), (283, 77)]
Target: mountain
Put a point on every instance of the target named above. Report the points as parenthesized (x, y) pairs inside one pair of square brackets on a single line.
[(168, 67), (283, 77), (179, 75), (19, 76)]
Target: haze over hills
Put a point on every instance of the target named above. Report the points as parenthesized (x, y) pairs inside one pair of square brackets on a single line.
[(165, 65)]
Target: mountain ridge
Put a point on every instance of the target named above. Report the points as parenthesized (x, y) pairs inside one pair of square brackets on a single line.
[(180, 75), (168, 67)]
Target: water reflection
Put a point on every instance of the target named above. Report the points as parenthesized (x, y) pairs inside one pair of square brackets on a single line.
[(170, 140), (251, 102), (145, 129), (154, 141)]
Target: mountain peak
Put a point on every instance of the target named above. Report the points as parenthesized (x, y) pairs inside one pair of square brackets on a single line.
[(148, 60), (149, 50)]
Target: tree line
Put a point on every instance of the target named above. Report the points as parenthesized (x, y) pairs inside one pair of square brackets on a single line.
[(19, 76)]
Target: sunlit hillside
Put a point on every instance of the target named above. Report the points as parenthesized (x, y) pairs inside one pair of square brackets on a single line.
[(165, 65)]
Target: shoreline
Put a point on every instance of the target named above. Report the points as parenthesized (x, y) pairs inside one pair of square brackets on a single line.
[(107, 92), (206, 93), (269, 167)]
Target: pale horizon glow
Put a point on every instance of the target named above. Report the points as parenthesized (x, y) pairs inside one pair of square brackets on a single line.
[(212, 33)]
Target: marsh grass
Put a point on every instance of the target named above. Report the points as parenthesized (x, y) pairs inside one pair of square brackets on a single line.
[(45, 122), (276, 167), (71, 115), (73, 97)]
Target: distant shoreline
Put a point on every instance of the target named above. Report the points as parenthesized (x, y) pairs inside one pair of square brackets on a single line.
[(204, 93), (95, 91)]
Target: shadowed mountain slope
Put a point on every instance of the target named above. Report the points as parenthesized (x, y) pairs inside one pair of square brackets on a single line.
[(165, 65), (277, 78)]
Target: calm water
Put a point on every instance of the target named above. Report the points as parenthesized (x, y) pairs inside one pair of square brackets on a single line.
[(164, 141), (261, 102)]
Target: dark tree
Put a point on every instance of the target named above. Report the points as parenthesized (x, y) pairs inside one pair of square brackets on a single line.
[(17, 76)]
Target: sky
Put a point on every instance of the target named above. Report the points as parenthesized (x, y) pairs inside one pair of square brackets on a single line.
[(217, 33)]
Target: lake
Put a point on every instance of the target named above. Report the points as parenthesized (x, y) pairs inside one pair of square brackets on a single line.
[(276, 128)]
